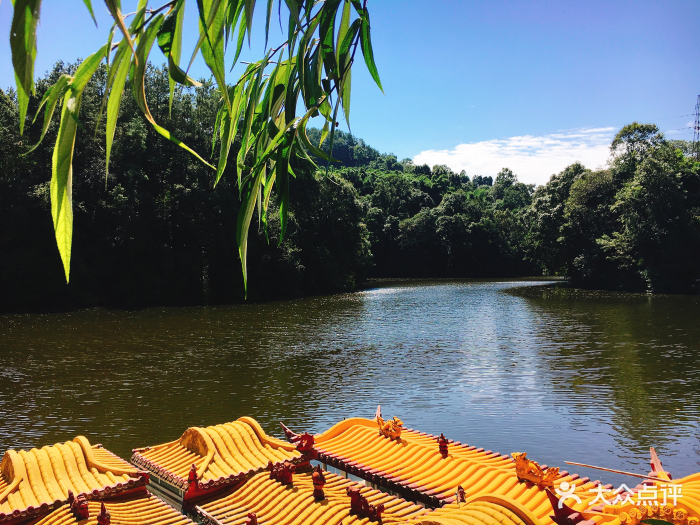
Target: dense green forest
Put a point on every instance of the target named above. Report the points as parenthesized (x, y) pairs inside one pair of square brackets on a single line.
[(154, 231)]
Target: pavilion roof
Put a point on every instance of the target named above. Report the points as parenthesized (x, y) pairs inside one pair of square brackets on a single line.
[(35, 481), (220, 454)]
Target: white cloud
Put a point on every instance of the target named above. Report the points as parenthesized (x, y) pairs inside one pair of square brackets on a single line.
[(533, 159)]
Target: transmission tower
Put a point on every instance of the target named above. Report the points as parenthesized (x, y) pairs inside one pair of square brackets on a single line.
[(696, 130)]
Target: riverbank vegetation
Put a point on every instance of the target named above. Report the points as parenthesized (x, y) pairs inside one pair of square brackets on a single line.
[(157, 232)]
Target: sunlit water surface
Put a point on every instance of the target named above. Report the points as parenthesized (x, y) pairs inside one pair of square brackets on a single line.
[(591, 377)]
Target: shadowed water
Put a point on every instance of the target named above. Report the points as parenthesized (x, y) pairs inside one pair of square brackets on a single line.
[(563, 375)]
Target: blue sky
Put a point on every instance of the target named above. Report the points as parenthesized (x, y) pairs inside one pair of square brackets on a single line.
[(481, 85)]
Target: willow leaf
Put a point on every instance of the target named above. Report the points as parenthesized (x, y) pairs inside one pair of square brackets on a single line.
[(294, 11), (50, 99), (282, 169), (345, 95), (213, 44), (267, 20), (122, 61), (88, 4), (344, 26), (115, 9), (249, 8), (301, 133), (366, 43), (138, 83), (249, 196), (324, 133), (23, 46), (241, 38), (170, 43), (326, 32), (229, 128), (333, 126), (61, 187), (206, 22)]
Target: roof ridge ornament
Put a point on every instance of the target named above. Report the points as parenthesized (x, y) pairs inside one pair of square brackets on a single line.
[(529, 470)]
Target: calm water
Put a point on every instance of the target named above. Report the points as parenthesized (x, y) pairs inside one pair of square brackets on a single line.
[(563, 375)]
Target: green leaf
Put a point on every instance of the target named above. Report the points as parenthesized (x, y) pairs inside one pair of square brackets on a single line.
[(650, 521), (241, 38), (282, 168), (267, 20), (346, 44), (88, 4), (207, 22), (170, 43), (62, 179), (61, 187), (228, 131), (324, 133), (326, 32), (138, 83), (122, 61), (248, 197), (115, 9), (51, 98), (345, 95), (249, 8), (23, 45), (344, 25), (333, 126), (294, 11), (301, 133), (213, 44), (366, 43)]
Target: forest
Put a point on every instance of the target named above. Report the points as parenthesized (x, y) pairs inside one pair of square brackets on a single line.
[(154, 230)]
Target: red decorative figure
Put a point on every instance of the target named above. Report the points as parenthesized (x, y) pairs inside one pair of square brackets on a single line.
[(192, 476), (104, 518), (282, 473), (305, 442), (319, 480), (78, 506), (360, 507), (252, 519), (461, 496), (442, 445)]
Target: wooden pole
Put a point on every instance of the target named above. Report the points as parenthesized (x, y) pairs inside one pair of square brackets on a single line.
[(617, 471)]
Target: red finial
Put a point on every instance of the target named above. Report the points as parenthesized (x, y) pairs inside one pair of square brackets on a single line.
[(442, 445), (252, 519), (192, 477), (103, 518), (318, 480)]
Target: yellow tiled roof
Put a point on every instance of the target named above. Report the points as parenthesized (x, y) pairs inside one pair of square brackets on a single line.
[(413, 464), (471, 514), (35, 480), (275, 503), (141, 509), (220, 451)]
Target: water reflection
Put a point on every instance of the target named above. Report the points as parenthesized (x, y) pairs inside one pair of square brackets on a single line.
[(596, 378)]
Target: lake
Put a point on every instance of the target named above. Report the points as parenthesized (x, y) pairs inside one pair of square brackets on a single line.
[(562, 374)]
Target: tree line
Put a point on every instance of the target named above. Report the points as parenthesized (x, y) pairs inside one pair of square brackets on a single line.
[(156, 232)]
